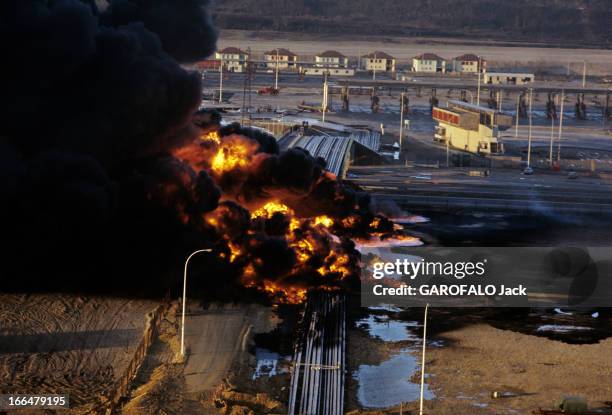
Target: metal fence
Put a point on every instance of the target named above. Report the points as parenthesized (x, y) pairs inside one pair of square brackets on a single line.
[(111, 403)]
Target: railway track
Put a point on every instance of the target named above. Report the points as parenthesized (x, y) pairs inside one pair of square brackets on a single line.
[(317, 380)]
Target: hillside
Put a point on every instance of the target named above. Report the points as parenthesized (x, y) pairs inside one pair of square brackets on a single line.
[(576, 22)]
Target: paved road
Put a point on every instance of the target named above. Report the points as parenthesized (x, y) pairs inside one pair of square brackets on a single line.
[(211, 80), (504, 190), (214, 338)]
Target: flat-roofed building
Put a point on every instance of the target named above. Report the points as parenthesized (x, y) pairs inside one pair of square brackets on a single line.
[(468, 63), (316, 70), (509, 78), (428, 62), (331, 59), (378, 61), (470, 127), (234, 59), (284, 57)]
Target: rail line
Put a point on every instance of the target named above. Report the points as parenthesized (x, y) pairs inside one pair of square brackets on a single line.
[(317, 380)]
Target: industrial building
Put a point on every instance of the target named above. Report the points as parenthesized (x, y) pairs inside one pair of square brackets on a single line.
[(234, 59), (331, 59), (508, 78), (468, 63), (281, 58), (339, 149), (307, 70), (470, 127), (428, 62), (378, 61)]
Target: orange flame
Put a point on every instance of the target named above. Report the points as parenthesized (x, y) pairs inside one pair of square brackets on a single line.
[(212, 136), (269, 209), (324, 221)]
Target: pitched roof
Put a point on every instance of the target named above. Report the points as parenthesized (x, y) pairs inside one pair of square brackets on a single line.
[(233, 51), (281, 52), (378, 55), (429, 57), (469, 57), (331, 54)]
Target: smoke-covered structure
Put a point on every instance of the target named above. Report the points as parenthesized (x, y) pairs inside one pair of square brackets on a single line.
[(109, 180)]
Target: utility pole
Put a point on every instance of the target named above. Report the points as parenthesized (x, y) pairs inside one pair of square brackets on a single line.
[(221, 80), (276, 78), (423, 360), (583, 74), (447, 152), (325, 91), (478, 89), (516, 128), (560, 128), (185, 297), (374, 67), (530, 125), (500, 97), (401, 133), (552, 135)]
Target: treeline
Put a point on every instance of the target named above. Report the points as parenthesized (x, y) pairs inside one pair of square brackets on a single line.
[(555, 21)]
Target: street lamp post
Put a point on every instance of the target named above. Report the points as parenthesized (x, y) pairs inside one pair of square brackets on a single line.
[(185, 297), (530, 125)]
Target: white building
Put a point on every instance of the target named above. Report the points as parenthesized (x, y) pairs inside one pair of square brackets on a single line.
[(428, 62), (378, 61), (234, 59), (316, 70), (470, 127), (331, 59), (286, 59), (468, 63), (508, 78)]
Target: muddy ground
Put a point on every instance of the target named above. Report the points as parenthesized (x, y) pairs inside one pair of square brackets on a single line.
[(472, 354), (67, 344)]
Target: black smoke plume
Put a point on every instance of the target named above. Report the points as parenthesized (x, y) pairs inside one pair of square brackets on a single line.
[(108, 178), (92, 106)]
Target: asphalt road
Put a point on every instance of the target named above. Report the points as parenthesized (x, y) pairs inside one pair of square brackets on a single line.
[(214, 337), (504, 190)]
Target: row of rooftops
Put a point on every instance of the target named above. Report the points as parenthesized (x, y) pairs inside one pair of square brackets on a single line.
[(468, 57)]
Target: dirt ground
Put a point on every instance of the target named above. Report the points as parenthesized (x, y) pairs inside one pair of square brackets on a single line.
[(599, 61), (67, 344), (533, 371), (216, 377), (465, 364)]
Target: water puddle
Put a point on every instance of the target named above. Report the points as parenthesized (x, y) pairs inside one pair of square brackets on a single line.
[(387, 329), (392, 381), (561, 328), (269, 363), (389, 384)]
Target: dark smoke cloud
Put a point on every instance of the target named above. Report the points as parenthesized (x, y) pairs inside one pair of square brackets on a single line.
[(184, 27), (91, 109)]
